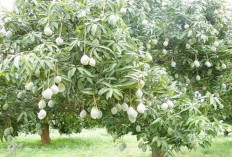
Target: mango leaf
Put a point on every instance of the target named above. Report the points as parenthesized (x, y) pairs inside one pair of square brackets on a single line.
[(94, 29), (71, 72)]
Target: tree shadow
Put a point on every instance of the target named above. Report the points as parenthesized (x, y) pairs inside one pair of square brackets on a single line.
[(61, 142)]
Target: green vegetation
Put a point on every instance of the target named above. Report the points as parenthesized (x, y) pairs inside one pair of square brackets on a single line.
[(158, 69), (98, 143)]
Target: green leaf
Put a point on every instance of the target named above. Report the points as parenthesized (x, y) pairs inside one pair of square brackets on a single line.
[(102, 91), (88, 91), (94, 29), (85, 71), (71, 72), (109, 94), (20, 116), (49, 64)]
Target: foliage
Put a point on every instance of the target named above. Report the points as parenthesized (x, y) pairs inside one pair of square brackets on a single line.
[(102, 60), (191, 39)]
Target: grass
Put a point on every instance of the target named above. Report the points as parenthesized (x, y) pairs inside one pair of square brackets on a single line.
[(97, 143)]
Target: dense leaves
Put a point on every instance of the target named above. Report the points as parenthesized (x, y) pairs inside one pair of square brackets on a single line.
[(107, 61)]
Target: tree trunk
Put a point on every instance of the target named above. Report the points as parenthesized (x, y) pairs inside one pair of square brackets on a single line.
[(226, 133), (45, 138), (157, 153)]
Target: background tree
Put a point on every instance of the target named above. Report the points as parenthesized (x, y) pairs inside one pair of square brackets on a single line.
[(191, 39)]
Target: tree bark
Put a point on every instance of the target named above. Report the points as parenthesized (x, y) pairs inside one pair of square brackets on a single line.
[(45, 137), (157, 153), (226, 133)]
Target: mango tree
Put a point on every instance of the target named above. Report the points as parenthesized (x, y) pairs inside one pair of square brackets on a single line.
[(191, 39), (74, 64)]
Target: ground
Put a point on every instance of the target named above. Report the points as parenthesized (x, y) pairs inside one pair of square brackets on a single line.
[(97, 143)]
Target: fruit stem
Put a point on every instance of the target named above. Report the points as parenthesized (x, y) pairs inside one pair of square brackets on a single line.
[(61, 25), (94, 100), (85, 40), (196, 57)]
